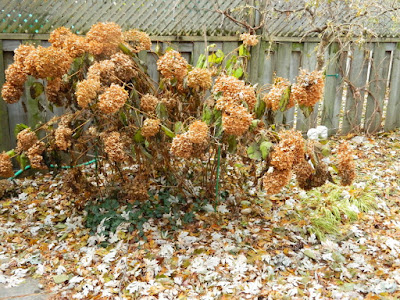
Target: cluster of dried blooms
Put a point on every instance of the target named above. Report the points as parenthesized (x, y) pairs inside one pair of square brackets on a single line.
[(137, 40), (26, 139), (114, 146), (6, 168), (249, 39), (150, 127), (345, 165), (308, 89), (86, 91), (104, 38), (274, 96), (172, 65), (112, 99), (35, 155), (199, 79), (63, 136), (148, 103)]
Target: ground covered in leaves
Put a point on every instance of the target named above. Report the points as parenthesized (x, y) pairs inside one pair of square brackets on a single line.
[(331, 243)]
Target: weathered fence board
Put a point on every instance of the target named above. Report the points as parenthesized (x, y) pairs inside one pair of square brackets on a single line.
[(393, 108), (5, 139)]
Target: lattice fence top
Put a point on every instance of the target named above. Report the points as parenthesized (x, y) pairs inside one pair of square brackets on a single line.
[(176, 17)]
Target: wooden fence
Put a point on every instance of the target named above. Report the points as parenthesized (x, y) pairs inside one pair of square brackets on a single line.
[(362, 85)]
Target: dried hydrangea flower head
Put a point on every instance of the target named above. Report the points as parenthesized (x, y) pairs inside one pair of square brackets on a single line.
[(114, 147), (113, 99), (249, 39), (86, 91), (34, 154), (137, 40), (236, 120), (345, 165), (58, 36), (170, 101), (293, 140), (309, 88), (274, 182), (103, 70), (199, 79), (172, 65), (236, 89), (104, 38), (124, 66), (182, 146), (15, 74), (75, 45), (6, 169), (22, 52), (63, 136), (52, 90), (273, 98), (198, 132), (26, 139), (150, 127), (148, 103), (304, 172), (11, 93)]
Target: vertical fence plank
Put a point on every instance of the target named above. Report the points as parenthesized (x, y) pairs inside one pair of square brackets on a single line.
[(377, 88), (267, 63), (355, 97), (198, 49), (295, 63), (393, 109), (228, 48), (5, 138), (309, 63), (283, 70), (333, 93)]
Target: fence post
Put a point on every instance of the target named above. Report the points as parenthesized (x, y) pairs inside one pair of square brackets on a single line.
[(393, 108), (5, 139)]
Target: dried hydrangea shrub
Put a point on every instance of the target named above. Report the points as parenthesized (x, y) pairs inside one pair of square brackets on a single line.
[(6, 169), (15, 74), (63, 136), (274, 182), (172, 65), (137, 40), (104, 38), (199, 79), (150, 127), (86, 91), (249, 39), (198, 132), (11, 93), (309, 88), (236, 120), (148, 103), (34, 154), (114, 147), (26, 139), (346, 165), (113, 99), (182, 146), (274, 96), (22, 52)]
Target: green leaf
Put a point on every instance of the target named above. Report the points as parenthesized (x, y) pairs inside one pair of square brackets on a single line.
[(232, 144), (123, 118), (161, 111), (265, 147), (60, 278), (326, 151), (238, 73), (201, 61), (253, 152), (260, 108), (167, 131), (11, 153), (36, 89), (307, 110), (285, 98), (220, 56), (22, 160), (125, 49), (241, 50), (19, 127), (207, 115), (212, 59), (138, 137), (178, 127)]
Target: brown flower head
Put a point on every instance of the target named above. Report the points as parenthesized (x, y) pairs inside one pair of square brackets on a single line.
[(103, 70), (15, 74), (275, 181), (309, 88), (236, 120), (22, 52), (86, 91), (53, 93), (124, 66), (58, 36), (26, 139), (273, 98), (198, 132), (172, 65), (104, 38), (6, 168), (137, 40), (249, 39), (304, 172), (199, 79), (148, 103), (182, 146), (75, 45), (345, 165), (11, 93), (112, 99), (114, 147), (34, 154), (63, 136), (150, 127)]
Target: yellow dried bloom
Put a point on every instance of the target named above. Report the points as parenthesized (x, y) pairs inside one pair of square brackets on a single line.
[(224, 102), (275, 181), (104, 38), (86, 91), (124, 66), (199, 79), (114, 147), (6, 169), (309, 88), (63, 136), (26, 139), (249, 39), (282, 157), (75, 45), (236, 120), (137, 40), (11, 93), (198, 132), (293, 140), (273, 98), (112, 99), (182, 146), (103, 70), (15, 74), (150, 127), (345, 165), (58, 36), (34, 154), (172, 65), (248, 95), (22, 52), (148, 103)]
